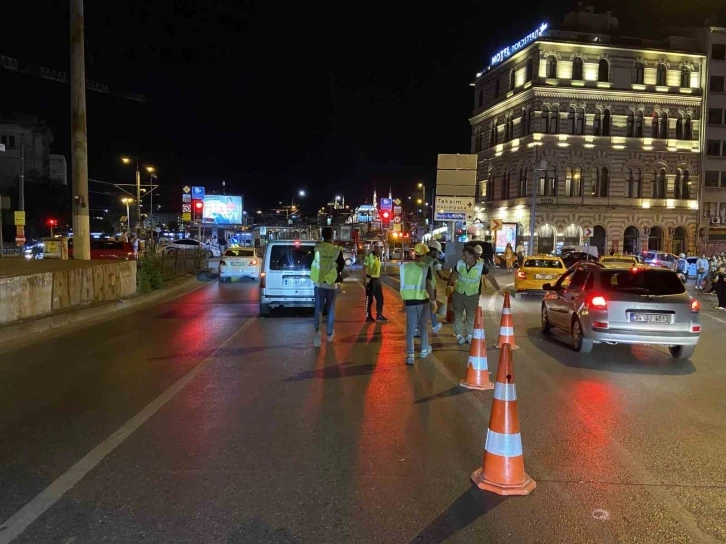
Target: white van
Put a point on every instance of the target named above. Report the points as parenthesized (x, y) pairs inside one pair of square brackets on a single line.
[(285, 276)]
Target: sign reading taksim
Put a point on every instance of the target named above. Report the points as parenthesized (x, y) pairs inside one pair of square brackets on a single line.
[(507, 52), (454, 204)]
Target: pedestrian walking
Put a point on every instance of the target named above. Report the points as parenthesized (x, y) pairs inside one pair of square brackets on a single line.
[(509, 257), (135, 244), (464, 285), (417, 293), (374, 288), (520, 254), (431, 259), (702, 269), (327, 264)]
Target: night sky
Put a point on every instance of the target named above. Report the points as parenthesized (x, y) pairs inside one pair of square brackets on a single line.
[(274, 97)]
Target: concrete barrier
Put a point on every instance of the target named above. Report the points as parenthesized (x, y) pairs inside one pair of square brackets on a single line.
[(34, 295)]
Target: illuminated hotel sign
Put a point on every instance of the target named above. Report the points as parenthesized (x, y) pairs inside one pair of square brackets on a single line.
[(507, 52)]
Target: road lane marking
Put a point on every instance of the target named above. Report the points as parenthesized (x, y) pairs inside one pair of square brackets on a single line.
[(15, 525)]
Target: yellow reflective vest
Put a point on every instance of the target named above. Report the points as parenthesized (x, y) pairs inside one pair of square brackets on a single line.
[(325, 268), (413, 281), (468, 281), (373, 266)]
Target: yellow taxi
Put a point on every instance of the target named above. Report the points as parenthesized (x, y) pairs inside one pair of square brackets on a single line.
[(622, 261), (536, 271)]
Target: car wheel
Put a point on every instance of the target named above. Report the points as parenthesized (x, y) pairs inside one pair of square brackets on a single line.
[(210, 254), (682, 352), (579, 343), (348, 262), (546, 325), (264, 310)]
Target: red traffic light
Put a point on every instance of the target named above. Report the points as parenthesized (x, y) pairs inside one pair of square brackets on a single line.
[(386, 215), (198, 205), (52, 222)]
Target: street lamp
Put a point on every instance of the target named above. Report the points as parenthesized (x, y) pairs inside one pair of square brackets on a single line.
[(128, 201), (300, 193), (152, 176)]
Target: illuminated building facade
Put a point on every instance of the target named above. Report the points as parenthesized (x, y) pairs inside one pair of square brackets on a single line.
[(606, 132)]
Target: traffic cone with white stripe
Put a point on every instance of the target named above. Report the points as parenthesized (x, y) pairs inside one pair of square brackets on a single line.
[(506, 327), (477, 369), (502, 470)]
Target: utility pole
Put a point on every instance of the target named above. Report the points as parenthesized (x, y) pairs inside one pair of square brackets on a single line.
[(79, 136), (138, 197), (21, 186)]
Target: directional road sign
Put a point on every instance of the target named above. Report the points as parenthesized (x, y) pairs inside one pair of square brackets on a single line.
[(386, 204), (449, 216), (454, 204), (587, 233), (495, 224), (397, 219), (198, 192), (186, 208)]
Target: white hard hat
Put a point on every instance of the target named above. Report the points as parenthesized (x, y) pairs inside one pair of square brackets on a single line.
[(682, 255), (434, 244), (478, 250)]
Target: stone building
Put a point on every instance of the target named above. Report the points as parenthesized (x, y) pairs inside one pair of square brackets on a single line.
[(605, 130)]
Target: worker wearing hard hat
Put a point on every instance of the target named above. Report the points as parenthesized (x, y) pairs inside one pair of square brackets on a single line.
[(417, 292), (431, 259)]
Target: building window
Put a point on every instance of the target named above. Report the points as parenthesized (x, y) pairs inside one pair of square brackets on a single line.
[(716, 84), (577, 69), (603, 73), (659, 183), (639, 73), (718, 51), (545, 122), (580, 121), (496, 88), (490, 189), (8, 140), (681, 188), (715, 116), (679, 127), (494, 138), (654, 125), (688, 128), (630, 124), (635, 183), (639, 124), (529, 69), (525, 122), (663, 127), (713, 148), (511, 79), (555, 120), (710, 178), (686, 77), (573, 181), (710, 209), (596, 123), (548, 184), (510, 128), (606, 123), (660, 78), (600, 182), (571, 121), (552, 66), (522, 182), (505, 185)]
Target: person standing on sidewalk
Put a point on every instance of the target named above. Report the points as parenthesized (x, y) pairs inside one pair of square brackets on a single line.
[(417, 292), (465, 284), (327, 264), (431, 259), (374, 288), (702, 268)]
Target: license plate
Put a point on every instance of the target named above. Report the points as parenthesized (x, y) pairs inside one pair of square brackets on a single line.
[(542, 277), (233, 263), (650, 318), (295, 282)]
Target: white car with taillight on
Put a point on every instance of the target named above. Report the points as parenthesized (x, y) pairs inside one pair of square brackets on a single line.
[(239, 262)]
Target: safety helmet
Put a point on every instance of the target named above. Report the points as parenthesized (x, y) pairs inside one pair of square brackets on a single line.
[(682, 256), (478, 250), (421, 249), (434, 244)]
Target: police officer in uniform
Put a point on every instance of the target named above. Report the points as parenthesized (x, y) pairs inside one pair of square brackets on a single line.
[(374, 288)]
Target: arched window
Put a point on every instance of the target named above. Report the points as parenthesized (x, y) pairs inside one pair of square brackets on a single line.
[(660, 78), (522, 182), (677, 185), (552, 66), (545, 121), (511, 127), (577, 69), (686, 77), (663, 132), (571, 121), (606, 123), (525, 122), (634, 183), (639, 73), (581, 121), (679, 127), (573, 181), (680, 240), (506, 177), (630, 240), (489, 189), (548, 184), (529, 69), (659, 183), (688, 128), (603, 72), (639, 124), (600, 182), (655, 239), (546, 237), (597, 123), (494, 139), (686, 185), (555, 120), (572, 235), (654, 125), (511, 79), (630, 124)]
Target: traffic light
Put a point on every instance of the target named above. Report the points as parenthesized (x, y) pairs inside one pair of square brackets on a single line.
[(52, 222), (198, 207), (385, 216)]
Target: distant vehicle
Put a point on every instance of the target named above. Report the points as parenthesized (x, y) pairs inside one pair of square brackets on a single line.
[(692, 268), (348, 254), (107, 250), (239, 262), (285, 276), (594, 304), (187, 244), (566, 250), (575, 257), (660, 259), (621, 261), (535, 272)]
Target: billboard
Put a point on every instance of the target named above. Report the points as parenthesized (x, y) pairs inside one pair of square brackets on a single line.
[(223, 209), (507, 234)]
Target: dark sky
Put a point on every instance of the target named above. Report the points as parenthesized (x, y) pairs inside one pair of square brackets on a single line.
[(274, 97)]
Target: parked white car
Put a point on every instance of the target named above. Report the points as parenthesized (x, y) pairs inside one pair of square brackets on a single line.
[(239, 262), (186, 244)]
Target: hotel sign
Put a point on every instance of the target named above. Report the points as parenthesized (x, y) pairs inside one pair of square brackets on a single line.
[(507, 52)]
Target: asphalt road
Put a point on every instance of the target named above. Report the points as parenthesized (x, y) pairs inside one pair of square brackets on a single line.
[(196, 421)]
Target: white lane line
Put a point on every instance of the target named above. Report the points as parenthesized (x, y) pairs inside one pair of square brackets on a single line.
[(714, 317), (21, 520)]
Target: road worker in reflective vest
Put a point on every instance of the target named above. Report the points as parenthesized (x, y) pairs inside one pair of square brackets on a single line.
[(327, 264), (465, 285), (374, 288), (417, 292)]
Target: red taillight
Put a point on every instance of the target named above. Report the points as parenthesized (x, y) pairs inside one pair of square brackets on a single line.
[(634, 269), (695, 306), (521, 275), (598, 302), (222, 263), (600, 324), (696, 328), (297, 243), (263, 280), (253, 263)]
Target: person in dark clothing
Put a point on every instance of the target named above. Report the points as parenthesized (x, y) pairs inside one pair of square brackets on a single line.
[(719, 285)]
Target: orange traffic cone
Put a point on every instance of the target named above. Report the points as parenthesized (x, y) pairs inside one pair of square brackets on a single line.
[(450, 309), (506, 327), (502, 470), (477, 370)]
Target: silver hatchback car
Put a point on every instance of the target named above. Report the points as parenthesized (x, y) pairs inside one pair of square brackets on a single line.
[(636, 305)]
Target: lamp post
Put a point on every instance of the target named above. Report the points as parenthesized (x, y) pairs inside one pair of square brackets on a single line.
[(152, 177), (127, 160), (128, 201)]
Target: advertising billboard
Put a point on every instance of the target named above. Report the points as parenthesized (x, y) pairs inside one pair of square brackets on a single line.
[(223, 209), (507, 234)]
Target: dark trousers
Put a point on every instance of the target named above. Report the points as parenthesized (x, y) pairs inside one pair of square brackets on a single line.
[(374, 290), (720, 287)]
